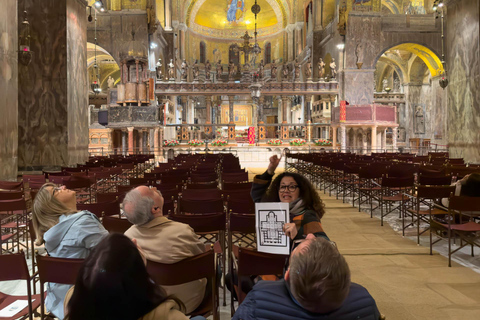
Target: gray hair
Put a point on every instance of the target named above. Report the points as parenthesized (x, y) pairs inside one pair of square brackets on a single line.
[(141, 211)]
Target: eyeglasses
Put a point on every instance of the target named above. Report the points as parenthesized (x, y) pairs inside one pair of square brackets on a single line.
[(55, 189), (290, 188)]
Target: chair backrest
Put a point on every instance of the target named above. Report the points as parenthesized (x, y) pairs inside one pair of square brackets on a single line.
[(397, 182), (243, 223), (58, 179), (442, 180), (102, 209), (434, 191), (201, 194), (208, 185), (200, 206), (181, 272), (11, 195), (13, 267), (208, 223), (116, 225), (252, 262), (236, 185), (110, 196), (245, 206), (11, 185), (13, 205), (462, 203), (235, 177), (58, 270)]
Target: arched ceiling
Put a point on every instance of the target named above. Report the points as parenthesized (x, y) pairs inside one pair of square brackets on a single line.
[(106, 64), (430, 59), (228, 19)]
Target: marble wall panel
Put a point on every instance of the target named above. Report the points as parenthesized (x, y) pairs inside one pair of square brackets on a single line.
[(53, 105), (463, 66), (77, 82), (8, 90), (42, 98), (359, 86)]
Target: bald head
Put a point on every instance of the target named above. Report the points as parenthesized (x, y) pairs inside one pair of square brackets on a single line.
[(142, 205)]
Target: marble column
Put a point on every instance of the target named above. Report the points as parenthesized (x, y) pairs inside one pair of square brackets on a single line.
[(156, 142), (374, 139), (285, 100), (145, 139), (394, 139), (334, 136), (124, 142), (231, 124), (308, 118), (384, 140), (343, 139), (53, 89), (130, 140), (168, 15), (208, 129), (8, 90)]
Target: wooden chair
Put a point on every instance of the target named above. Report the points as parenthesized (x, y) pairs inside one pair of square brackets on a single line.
[(395, 190), (236, 185), (460, 209), (201, 194), (14, 267), (252, 262), (118, 225), (11, 185), (425, 195), (56, 270), (13, 223), (110, 196), (203, 265)]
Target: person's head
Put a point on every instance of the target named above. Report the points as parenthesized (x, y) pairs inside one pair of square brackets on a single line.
[(289, 186), (50, 203), (142, 205), (318, 275), (471, 188), (113, 283)]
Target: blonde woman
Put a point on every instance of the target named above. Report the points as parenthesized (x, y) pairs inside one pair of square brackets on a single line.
[(66, 233)]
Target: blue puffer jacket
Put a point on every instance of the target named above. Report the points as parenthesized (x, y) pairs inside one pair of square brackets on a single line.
[(271, 300)]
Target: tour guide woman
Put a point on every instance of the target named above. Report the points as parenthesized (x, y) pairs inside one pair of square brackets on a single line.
[(306, 207)]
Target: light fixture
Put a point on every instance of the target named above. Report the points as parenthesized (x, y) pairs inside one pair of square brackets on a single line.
[(153, 45), (98, 3), (25, 55), (444, 81), (96, 70), (341, 46), (102, 9), (255, 10), (90, 14)]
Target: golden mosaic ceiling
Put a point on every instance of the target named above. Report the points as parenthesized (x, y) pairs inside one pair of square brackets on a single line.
[(230, 18)]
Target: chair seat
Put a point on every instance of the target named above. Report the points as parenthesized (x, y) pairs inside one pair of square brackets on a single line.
[(435, 211), (6, 300), (7, 236), (13, 225), (469, 226)]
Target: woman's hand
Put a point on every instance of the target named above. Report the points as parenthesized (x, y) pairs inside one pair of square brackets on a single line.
[(274, 162), (290, 230)]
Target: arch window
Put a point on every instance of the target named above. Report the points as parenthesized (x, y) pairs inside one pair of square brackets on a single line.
[(104, 139), (268, 53), (94, 139), (203, 52)]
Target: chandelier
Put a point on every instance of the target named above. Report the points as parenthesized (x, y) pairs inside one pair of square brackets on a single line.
[(255, 10)]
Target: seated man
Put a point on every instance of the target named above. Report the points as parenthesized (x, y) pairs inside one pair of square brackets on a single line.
[(163, 240), (316, 286)]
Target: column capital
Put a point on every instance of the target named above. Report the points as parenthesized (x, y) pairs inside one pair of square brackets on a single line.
[(130, 129), (231, 99)]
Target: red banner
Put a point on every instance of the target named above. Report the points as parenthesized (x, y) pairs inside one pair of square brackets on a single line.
[(343, 111), (251, 135)]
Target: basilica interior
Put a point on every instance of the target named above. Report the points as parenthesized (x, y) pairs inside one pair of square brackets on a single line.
[(159, 79), (137, 76)]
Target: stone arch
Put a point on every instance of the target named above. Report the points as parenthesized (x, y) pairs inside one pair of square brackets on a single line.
[(107, 65)]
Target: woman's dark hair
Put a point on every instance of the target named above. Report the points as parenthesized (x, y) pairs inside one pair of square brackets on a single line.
[(471, 188), (310, 197), (113, 283)]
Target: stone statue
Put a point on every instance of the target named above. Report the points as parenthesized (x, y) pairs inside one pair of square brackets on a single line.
[(284, 72), (384, 84), (333, 67), (219, 70), (308, 69), (261, 70), (208, 67), (396, 85), (171, 70), (196, 70), (321, 69), (231, 70), (419, 120), (158, 70), (273, 70), (296, 71), (184, 67), (110, 82)]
